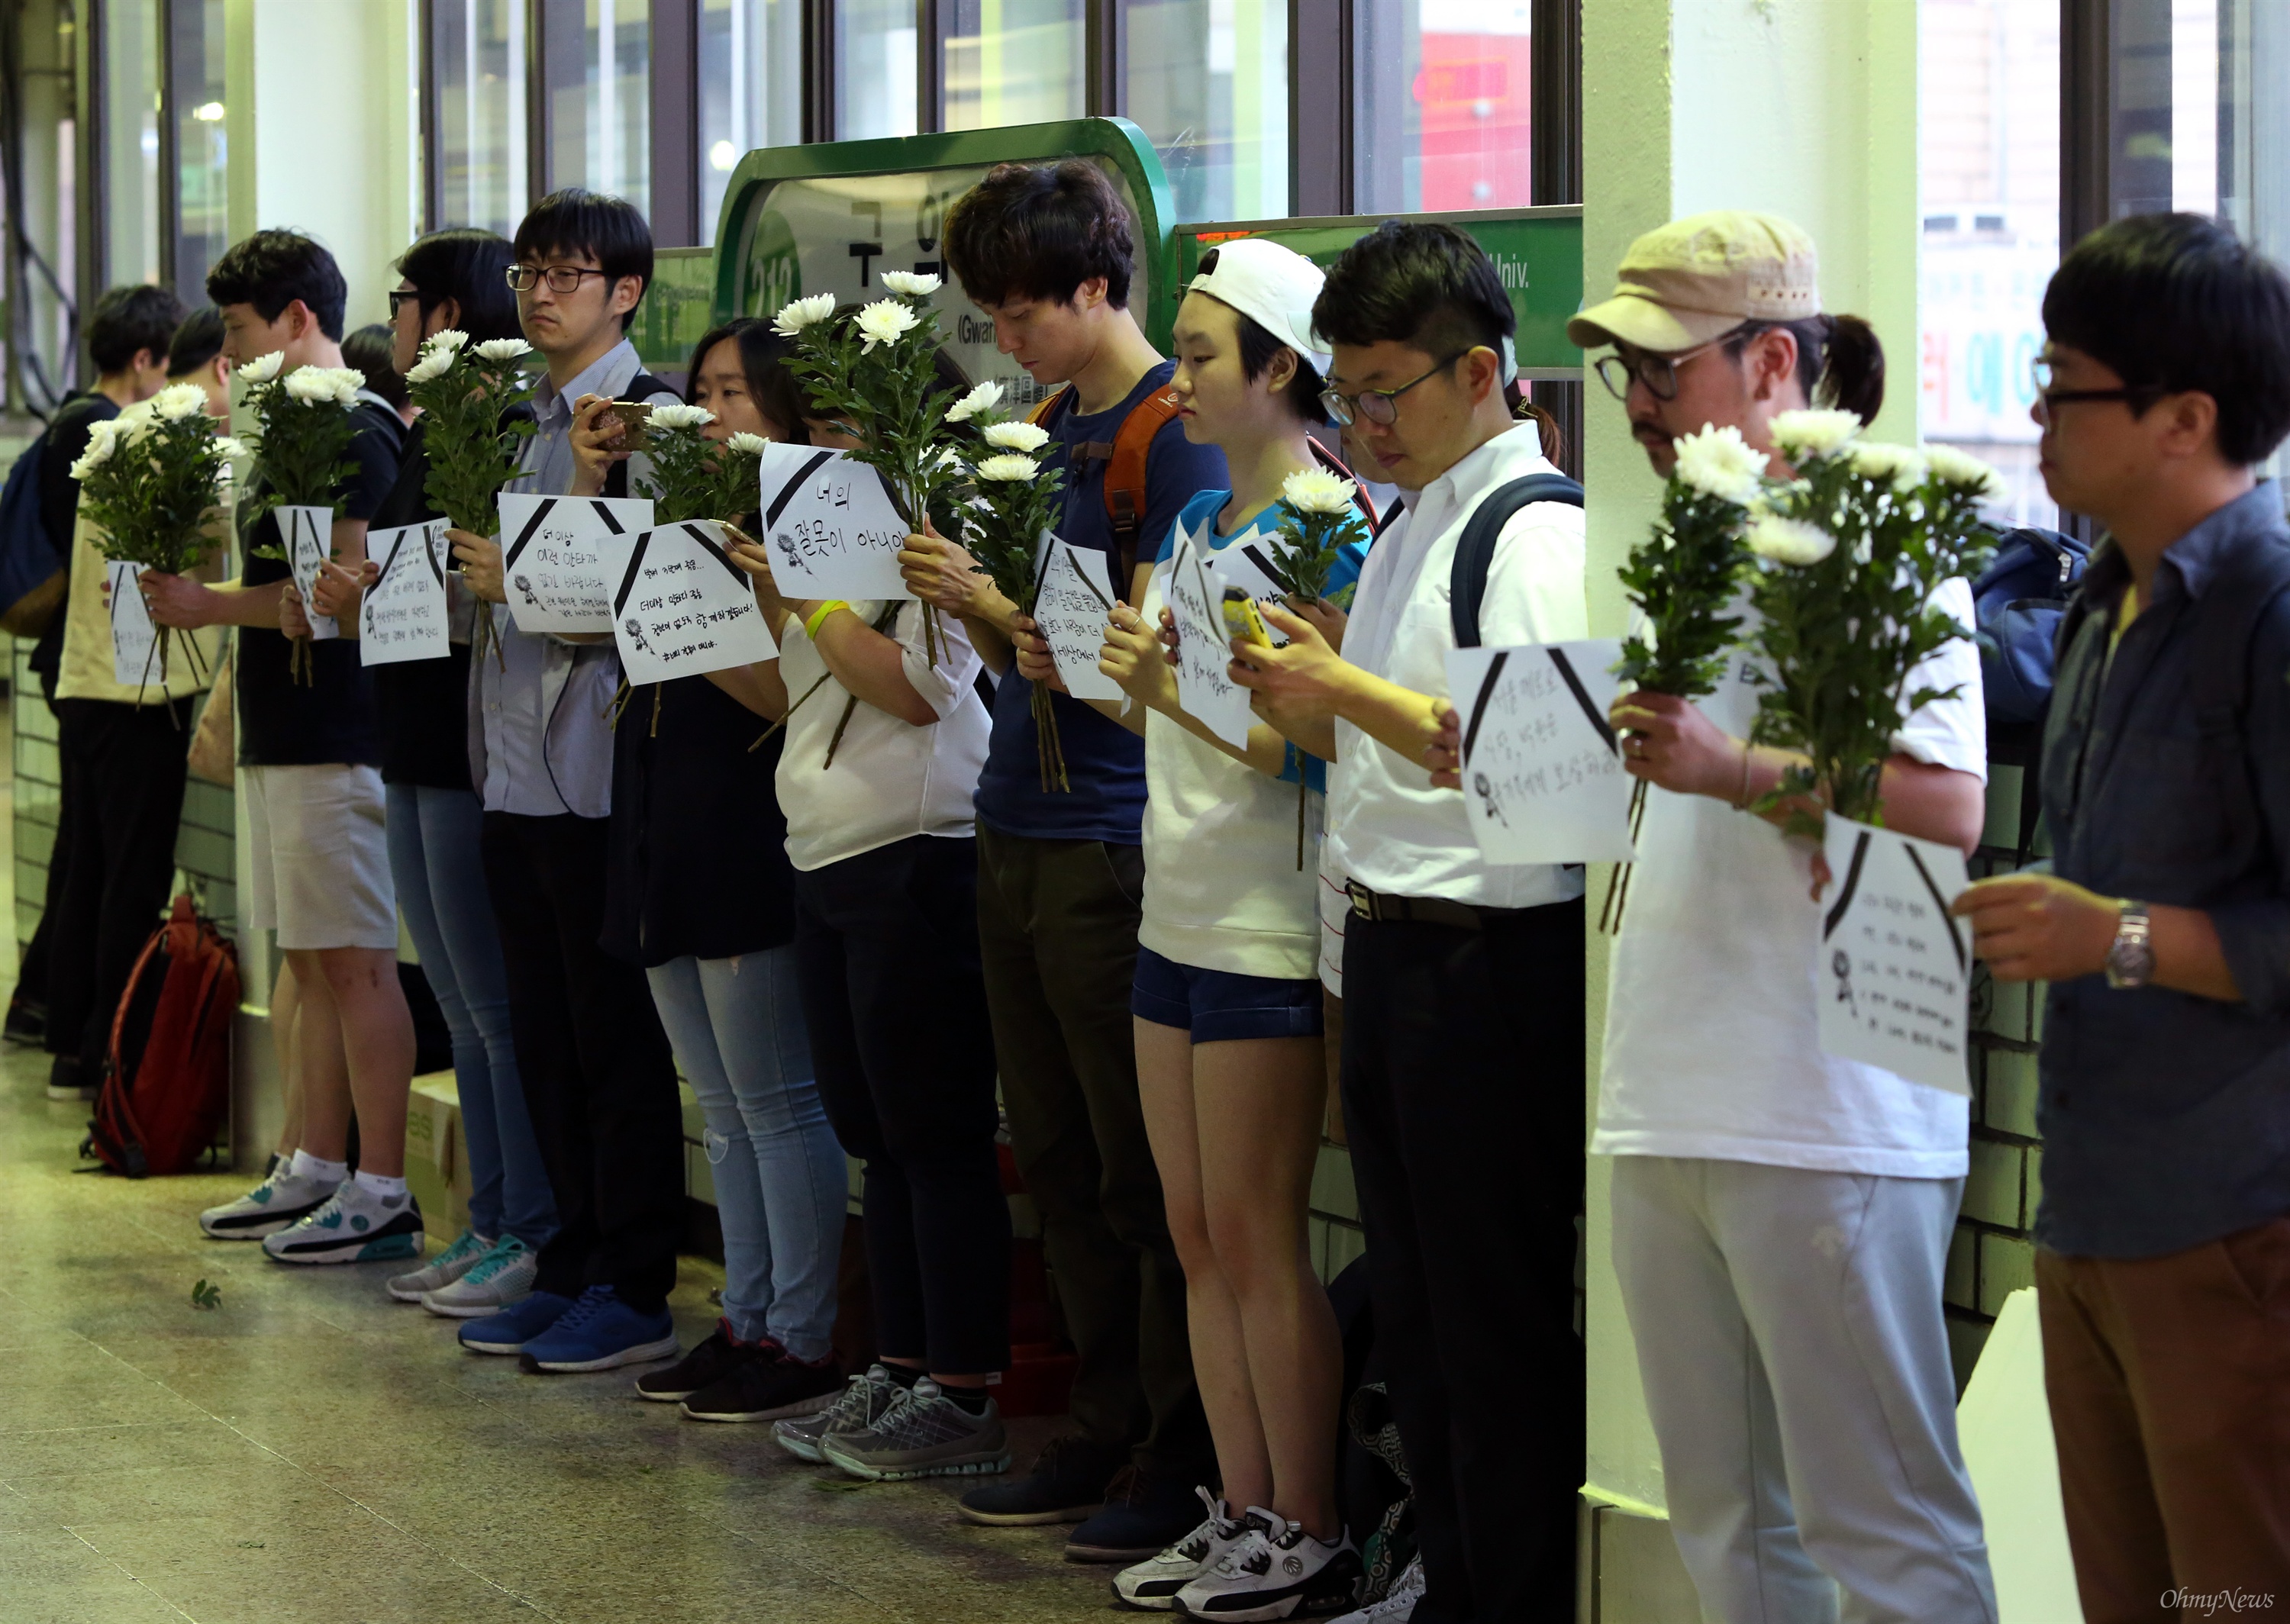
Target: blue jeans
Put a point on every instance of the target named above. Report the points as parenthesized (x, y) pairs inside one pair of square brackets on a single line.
[(436, 866), (738, 1030)]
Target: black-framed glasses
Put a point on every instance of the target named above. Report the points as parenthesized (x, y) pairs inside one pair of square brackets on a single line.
[(397, 298), (1377, 406), (2040, 376), (561, 278), (1658, 374)]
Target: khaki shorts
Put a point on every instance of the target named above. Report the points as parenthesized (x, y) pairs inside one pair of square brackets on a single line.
[(320, 870)]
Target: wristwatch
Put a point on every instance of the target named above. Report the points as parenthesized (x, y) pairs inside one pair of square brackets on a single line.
[(2131, 960)]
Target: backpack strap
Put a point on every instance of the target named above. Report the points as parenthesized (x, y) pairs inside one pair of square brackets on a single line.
[(1124, 457), (1474, 548), (643, 386), (1361, 499)]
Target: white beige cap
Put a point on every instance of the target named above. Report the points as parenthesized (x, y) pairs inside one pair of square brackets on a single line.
[(1274, 287), (1686, 283)]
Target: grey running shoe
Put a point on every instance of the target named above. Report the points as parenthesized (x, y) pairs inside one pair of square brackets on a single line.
[(447, 1266), (280, 1200), (1398, 1606), (864, 1402), (503, 1276), (1153, 1583), (925, 1433)]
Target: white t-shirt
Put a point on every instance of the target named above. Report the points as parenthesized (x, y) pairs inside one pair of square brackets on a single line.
[(1713, 1041), (889, 779), (1391, 831)]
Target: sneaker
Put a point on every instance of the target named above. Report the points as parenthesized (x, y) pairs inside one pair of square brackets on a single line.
[(1144, 1514), (600, 1333), (1275, 1571), (1153, 1583), (924, 1434), (26, 1022), (447, 1266), (768, 1389), (510, 1330), (503, 1276), (717, 1357), (280, 1200), (1065, 1485), (65, 1081), (865, 1400), (1399, 1605), (355, 1226)]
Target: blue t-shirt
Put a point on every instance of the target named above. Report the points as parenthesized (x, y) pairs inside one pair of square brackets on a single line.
[(1105, 762), (1343, 582)]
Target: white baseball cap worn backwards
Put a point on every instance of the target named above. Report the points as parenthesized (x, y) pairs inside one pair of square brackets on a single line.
[(1271, 286)]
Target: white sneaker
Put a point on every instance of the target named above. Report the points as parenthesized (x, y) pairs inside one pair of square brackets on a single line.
[(442, 1270), (1399, 1605), (1153, 1583), (1274, 1570), (503, 1276), (279, 1200), (355, 1226)]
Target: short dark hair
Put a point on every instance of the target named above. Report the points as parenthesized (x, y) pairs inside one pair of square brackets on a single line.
[(2176, 302), (138, 317), (272, 269), (1424, 284), (1257, 349), (197, 341), (373, 349), (607, 229), (1039, 231), (763, 361), (469, 267)]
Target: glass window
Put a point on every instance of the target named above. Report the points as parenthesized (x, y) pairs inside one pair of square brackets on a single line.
[(750, 90), (1444, 89), (480, 136), (597, 77), (1208, 81), (1989, 115), (202, 160), (1012, 61), (875, 68), (131, 140)]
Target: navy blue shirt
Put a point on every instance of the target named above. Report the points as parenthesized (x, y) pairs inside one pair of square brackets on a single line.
[(2165, 1116), (1105, 762)]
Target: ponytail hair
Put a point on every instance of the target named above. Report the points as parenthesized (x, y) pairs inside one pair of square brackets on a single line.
[(1525, 411), (1840, 362)]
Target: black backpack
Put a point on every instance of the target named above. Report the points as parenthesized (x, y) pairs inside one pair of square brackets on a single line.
[(1475, 549)]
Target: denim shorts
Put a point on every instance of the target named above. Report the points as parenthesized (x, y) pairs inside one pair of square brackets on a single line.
[(1218, 1006)]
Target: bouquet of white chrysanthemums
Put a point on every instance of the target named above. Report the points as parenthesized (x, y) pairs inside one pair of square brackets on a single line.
[(471, 432), (303, 430), (1015, 504), (1319, 516), (695, 477)]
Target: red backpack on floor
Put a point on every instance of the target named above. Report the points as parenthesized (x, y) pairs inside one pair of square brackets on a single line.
[(167, 1080)]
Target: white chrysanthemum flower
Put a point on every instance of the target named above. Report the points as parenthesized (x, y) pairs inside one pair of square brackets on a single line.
[(1963, 471), (1028, 437), (179, 401), (1719, 462), (231, 448), (1010, 467), (445, 340), (913, 285), (318, 386), (349, 380), (434, 365), (749, 444), (677, 417), (133, 424), (1901, 466), (1791, 541), (1814, 433), (985, 397), (100, 440), (262, 369), (798, 313), (886, 321), (504, 349), (1316, 491)]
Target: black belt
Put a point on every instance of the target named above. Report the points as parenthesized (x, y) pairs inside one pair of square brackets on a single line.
[(1424, 910)]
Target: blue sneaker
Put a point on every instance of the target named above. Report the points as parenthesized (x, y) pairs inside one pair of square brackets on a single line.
[(598, 1333), (508, 1330)]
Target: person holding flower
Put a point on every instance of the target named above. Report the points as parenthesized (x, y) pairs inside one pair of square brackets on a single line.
[(1227, 1001), (1781, 1217)]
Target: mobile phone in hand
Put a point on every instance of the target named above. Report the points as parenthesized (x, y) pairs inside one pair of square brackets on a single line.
[(1242, 622), (631, 415)]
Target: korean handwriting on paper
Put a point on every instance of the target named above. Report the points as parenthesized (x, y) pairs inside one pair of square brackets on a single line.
[(829, 525), (1894, 965), (555, 563), (1542, 778)]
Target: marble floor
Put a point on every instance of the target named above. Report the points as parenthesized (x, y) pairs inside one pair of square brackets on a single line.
[(310, 1450)]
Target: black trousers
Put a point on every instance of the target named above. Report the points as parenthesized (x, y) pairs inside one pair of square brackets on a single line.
[(114, 862), (599, 1079), (886, 949), (1462, 1078)]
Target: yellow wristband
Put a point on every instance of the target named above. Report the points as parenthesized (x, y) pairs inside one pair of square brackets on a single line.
[(819, 617)]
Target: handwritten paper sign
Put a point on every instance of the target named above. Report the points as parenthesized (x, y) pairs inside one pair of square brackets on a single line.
[(309, 536), (553, 562), (1542, 771), (829, 526), (134, 641), (1205, 685), (681, 607), (404, 615), (1071, 606), (1895, 969)]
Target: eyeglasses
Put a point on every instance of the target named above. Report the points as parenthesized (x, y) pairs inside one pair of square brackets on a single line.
[(1377, 406), (2040, 375), (397, 298), (561, 278), (1658, 374)]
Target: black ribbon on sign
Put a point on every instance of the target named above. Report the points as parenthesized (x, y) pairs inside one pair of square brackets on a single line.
[(1851, 884), (778, 504), (540, 514), (693, 530), (604, 512), (1955, 940), (1479, 705), (1582, 698), (628, 580), (429, 552)]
